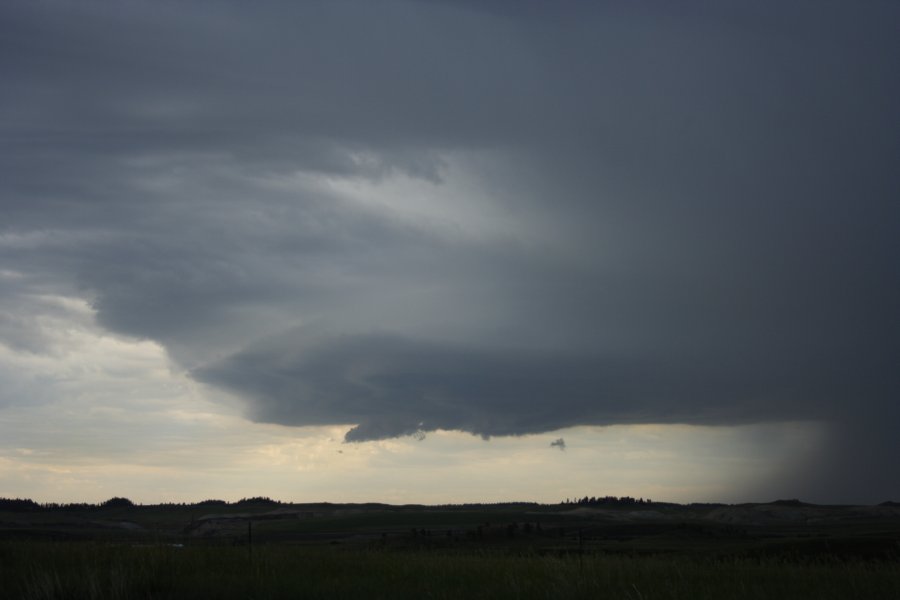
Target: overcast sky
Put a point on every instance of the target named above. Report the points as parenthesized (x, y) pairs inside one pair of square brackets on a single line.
[(273, 247)]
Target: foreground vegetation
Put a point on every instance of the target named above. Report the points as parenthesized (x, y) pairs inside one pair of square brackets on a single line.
[(32, 570), (589, 548)]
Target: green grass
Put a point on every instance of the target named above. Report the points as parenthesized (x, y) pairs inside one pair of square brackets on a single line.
[(33, 570)]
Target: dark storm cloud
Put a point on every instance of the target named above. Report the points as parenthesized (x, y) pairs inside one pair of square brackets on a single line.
[(700, 215), (395, 386)]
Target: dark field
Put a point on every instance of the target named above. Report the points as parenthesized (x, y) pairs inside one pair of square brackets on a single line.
[(269, 550)]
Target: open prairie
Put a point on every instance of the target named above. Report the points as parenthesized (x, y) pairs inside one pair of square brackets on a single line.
[(263, 549)]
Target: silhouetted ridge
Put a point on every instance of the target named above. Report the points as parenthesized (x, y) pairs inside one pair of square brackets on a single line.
[(257, 500), (212, 502), (19, 504), (791, 502)]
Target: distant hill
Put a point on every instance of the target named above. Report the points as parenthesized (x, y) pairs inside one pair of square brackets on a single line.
[(791, 502)]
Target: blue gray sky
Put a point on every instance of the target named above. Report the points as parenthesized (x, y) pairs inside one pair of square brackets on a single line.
[(317, 232)]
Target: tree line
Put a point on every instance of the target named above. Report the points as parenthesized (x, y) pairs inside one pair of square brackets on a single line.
[(28, 505), (606, 501)]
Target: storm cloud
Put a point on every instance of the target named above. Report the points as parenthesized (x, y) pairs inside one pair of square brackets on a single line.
[(495, 217)]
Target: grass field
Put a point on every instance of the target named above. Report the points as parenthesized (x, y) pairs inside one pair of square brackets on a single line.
[(32, 570), (775, 550)]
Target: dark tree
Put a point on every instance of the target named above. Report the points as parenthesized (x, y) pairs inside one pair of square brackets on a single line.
[(117, 503)]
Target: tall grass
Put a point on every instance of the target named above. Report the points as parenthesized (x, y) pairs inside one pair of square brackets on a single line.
[(42, 570)]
